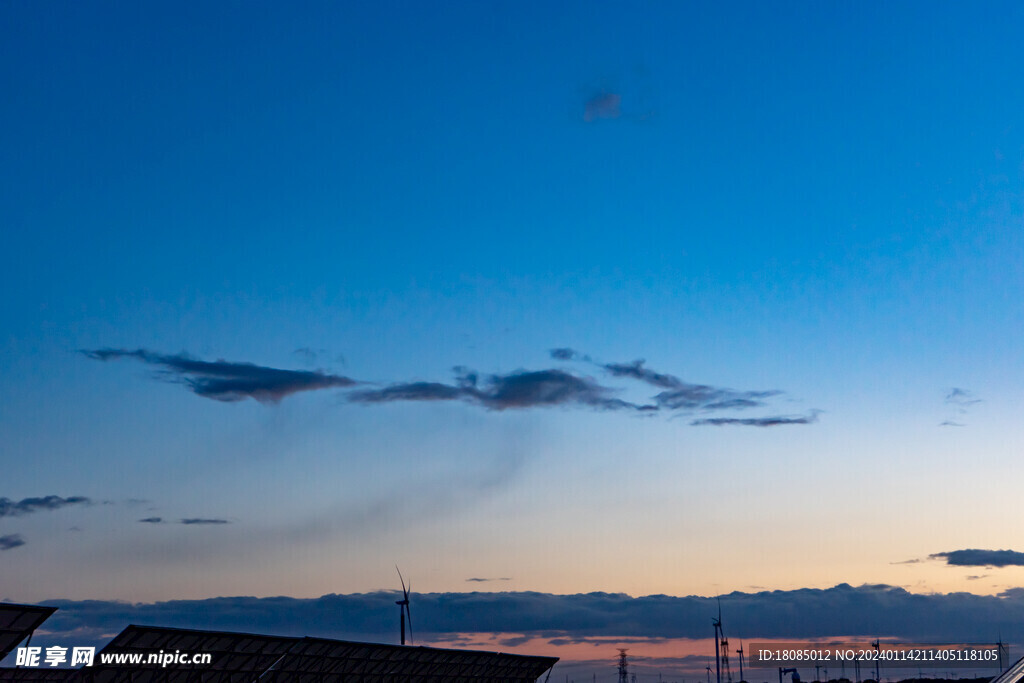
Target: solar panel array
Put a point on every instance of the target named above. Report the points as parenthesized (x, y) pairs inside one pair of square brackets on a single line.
[(235, 657), (17, 622), (315, 660), (246, 658), (1012, 675)]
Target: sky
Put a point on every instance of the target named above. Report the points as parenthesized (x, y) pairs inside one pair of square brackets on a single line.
[(678, 299)]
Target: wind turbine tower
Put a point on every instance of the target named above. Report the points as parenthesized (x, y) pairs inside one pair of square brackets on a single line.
[(721, 655), (403, 606), (1001, 647)]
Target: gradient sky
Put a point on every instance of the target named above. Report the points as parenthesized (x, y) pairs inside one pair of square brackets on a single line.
[(818, 199)]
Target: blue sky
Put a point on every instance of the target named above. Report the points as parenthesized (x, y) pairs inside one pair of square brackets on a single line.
[(821, 200)]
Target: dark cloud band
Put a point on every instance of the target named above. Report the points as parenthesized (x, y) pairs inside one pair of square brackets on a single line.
[(838, 611), (26, 506), (516, 390), (202, 520), (981, 558), (188, 521), (11, 541), (230, 381), (226, 381), (774, 421)]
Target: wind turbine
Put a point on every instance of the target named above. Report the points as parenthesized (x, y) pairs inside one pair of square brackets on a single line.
[(717, 623), (721, 660), (403, 605)]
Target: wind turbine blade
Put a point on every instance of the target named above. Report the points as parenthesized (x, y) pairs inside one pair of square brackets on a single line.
[(402, 580), (409, 614)]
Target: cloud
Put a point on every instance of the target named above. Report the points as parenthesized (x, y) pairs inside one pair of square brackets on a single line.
[(480, 580), (11, 541), (913, 561), (411, 391), (603, 105), (225, 381), (842, 610), (975, 577), (546, 387), (563, 354), (981, 558), (521, 389), (26, 506), (683, 395), (188, 521), (516, 390), (514, 641), (200, 520), (636, 370), (961, 397), (774, 421), (960, 400)]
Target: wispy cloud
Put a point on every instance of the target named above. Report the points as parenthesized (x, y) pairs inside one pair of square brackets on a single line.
[(773, 421), (25, 506), (202, 520), (188, 521), (636, 370), (11, 541), (960, 401), (410, 391), (961, 397), (227, 381), (683, 395), (678, 395), (563, 354), (972, 557), (520, 389), (482, 580)]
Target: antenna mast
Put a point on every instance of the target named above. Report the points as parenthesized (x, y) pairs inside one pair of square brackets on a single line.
[(623, 672)]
